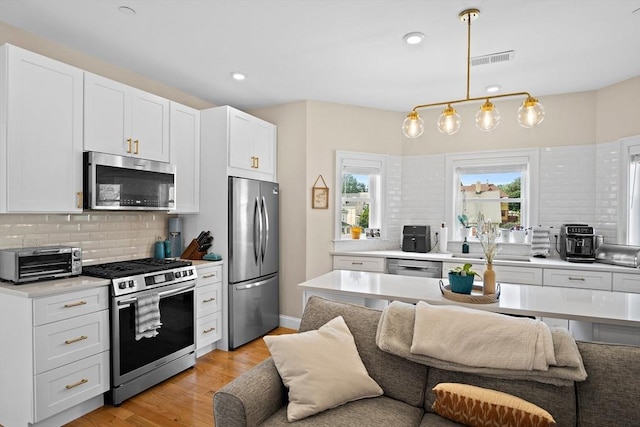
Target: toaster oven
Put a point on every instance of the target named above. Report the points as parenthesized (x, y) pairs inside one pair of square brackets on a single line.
[(22, 265)]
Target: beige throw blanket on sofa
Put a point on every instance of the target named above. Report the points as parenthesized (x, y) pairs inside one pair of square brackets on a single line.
[(464, 351)]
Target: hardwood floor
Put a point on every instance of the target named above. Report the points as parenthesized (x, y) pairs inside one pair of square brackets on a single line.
[(187, 398)]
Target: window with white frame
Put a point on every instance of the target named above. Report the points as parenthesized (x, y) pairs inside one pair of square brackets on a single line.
[(496, 184), (360, 198), (629, 226)]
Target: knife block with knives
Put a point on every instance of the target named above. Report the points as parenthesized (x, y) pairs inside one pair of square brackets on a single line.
[(198, 246)]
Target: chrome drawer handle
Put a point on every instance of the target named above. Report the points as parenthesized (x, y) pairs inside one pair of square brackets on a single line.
[(82, 381), (208, 300), (80, 338), (75, 304), (581, 279), (206, 331)]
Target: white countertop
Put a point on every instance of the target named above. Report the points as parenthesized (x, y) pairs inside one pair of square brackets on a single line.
[(523, 262), (51, 287), (616, 308)]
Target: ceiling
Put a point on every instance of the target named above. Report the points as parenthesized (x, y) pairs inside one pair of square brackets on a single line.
[(347, 51)]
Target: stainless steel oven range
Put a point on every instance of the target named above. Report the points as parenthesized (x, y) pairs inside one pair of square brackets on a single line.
[(137, 364)]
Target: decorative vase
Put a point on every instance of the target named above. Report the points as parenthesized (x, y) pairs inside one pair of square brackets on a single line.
[(489, 278), (461, 284), (355, 232)]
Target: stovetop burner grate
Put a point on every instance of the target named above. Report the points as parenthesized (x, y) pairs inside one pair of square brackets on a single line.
[(114, 270)]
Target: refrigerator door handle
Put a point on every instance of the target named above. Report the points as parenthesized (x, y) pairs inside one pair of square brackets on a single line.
[(257, 230), (253, 285), (265, 241)]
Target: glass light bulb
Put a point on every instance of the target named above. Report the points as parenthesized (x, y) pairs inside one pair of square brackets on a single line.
[(530, 113), (449, 121), (413, 125), (488, 117)]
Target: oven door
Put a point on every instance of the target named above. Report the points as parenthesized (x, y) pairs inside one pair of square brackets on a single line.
[(176, 336)]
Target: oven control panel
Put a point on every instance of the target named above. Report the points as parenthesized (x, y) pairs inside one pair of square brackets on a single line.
[(131, 284)]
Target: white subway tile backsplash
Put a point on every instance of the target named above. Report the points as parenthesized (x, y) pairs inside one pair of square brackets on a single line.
[(103, 237)]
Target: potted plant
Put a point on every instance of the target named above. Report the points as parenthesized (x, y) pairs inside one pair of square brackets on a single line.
[(461, 279)]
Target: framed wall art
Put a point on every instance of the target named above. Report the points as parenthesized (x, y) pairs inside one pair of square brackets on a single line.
[(320, 194)]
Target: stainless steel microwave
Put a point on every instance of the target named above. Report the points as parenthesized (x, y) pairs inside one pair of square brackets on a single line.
[(127, 183), (22, 265)]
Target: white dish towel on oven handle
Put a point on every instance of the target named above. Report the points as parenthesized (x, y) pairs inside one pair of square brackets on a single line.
[(147, 316)]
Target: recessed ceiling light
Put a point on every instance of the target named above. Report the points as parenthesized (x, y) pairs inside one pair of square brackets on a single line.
[(493, 88), (127, 10), (238, 76), (413, 38)]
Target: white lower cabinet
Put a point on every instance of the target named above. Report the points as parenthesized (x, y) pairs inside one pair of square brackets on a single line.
[(55, 356), (577, 279), (208, 306), (358, 263), (626, 282)]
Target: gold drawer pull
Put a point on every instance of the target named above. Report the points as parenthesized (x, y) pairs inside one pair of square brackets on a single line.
[(206, 331), (80, 338), (580, 279), (129, 145), (206, 276), (75, 304), (82, 381), (208, 300), (136, 142)]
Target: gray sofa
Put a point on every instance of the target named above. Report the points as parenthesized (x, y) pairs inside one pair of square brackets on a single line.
[(609, 397)]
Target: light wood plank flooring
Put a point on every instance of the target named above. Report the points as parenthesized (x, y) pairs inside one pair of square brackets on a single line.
[(187, 398)]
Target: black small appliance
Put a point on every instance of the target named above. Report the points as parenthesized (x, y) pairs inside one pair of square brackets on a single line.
[(577, 243), (416, 238)]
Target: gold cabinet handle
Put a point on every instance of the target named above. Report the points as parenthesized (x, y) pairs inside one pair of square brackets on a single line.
[(82, 381), (208, 300), (136, 142), (80, 338), (79, 194), (74, 304), (128, 145), (206, 331), (253, 162), (206, 276), (257, 162)]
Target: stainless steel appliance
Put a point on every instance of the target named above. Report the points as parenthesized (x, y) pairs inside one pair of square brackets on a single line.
[(127, 183), (624, 255), (416, 238), (253, 259), (20, 265), (577, 243), (137, 365), (414, 267)]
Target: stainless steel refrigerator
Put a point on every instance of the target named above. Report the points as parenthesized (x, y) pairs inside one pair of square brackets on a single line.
[(254, 307)]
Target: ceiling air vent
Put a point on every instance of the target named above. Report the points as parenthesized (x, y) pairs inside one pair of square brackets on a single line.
[(492, 58)]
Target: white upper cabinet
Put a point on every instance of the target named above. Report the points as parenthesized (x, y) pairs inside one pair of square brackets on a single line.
[(41, 142), (122, 120), (185, 154), (251, 146)]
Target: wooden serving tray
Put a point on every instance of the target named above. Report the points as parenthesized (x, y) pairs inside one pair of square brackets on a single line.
[(476, 296)]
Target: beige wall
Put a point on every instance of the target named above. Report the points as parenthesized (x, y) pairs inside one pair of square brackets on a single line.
[(25, 40), (618, 111)]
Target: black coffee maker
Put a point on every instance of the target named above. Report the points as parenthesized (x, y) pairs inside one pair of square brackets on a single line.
[(577, 243), (416, 238)]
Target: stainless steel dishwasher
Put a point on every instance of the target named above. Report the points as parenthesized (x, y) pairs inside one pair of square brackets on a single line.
[(414, 267)]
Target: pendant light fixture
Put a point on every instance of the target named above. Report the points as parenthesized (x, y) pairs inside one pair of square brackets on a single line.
[(530, 113)]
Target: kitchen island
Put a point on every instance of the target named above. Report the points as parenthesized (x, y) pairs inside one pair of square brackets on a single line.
[(602, 309)]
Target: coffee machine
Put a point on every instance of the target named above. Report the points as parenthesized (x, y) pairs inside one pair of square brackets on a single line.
[(175, 236), (577, 243)]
